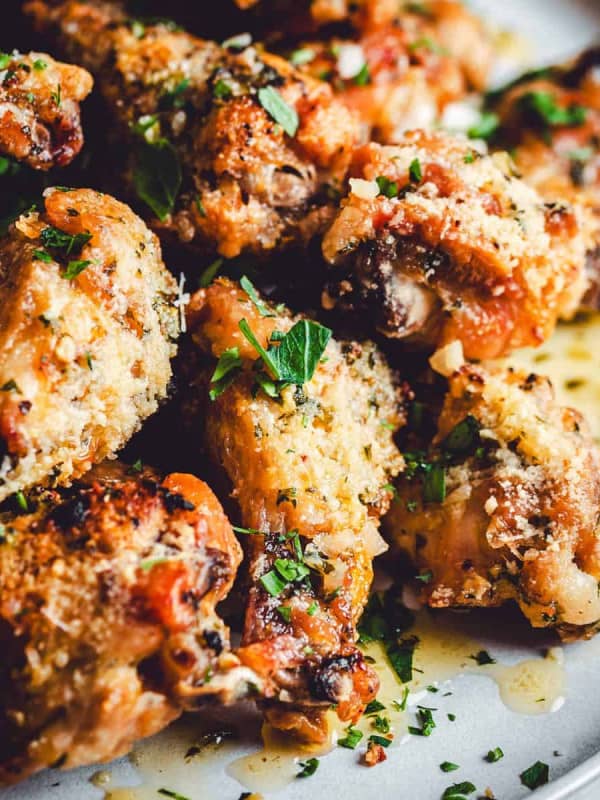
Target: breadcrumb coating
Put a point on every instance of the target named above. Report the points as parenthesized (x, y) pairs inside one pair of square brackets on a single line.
[(233, 150), (39, 109), (310, 472), (107, 617), (518, 519), (442, 244), (88, 325)]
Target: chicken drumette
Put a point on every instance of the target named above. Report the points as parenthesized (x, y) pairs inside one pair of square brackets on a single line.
[(440, 243), (504, 504), (88, 322), (39, 109), (309, 457), (107, 617), (231, 147)]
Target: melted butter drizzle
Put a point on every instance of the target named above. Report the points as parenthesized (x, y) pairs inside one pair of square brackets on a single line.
[(443, 653)]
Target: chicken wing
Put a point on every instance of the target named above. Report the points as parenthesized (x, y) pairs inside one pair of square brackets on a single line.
[(232, 148), (402, 74), (310, 463), (439, 243), (504, 504), (88, 323), (107, 617), (39, 109), (551, 122)]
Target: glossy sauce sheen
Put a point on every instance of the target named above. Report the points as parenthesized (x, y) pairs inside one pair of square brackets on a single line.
[(534, 685)]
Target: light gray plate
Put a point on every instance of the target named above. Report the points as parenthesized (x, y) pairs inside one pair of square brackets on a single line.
[(556, 29)]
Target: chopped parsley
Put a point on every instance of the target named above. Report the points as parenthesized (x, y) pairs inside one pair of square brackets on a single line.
[(459, 791), (434, 484), (308, 768), (21, 501), (486, 126), (483, 658), (227, 369), (55, 239), (238, 42), (312, 609), (400, 705), (222, 90), (374, 707), (363, 76), (351, 739), (10, 386), (380, 740), (285, 612), (425, 577), (449, 766), (295, 356), (285, 572), (469, 158), (57, 96), (75, 268), (207, 277), (463, 439), (415, 172), (250, 290), (425, 717), (274, 104), (39, 64), (173, 795), (387, 187), (536, 775), (157, 175), (542, 106), (273, 584), (303, 55), (175, 98), (494, 755)]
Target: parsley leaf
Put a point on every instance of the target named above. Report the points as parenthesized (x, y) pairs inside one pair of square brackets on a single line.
[(494, 755), (486, 127), (74, 268), (351, 739), (309, 768), (415, 171), (448, 766), (463, 439), (170, 793), (56, 239), (228, 366), (543, 107), (458, 791), (250, 290), (387, 187), (483, 658), (427, 722), (274, 104), (157, 175)]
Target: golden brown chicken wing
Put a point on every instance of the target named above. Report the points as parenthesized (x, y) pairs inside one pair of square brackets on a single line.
[(401, 74), (550, 120), (107, 617), (305, 437), (439, 243), (232, 148), (39, 109), (87, 329), (504, 504)]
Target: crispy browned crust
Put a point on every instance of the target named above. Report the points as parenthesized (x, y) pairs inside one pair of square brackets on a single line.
[(107, 617), (317, 462), (520, 518), (465, 252), (247, 185), (414, 64), (84, 360), (39, 110)]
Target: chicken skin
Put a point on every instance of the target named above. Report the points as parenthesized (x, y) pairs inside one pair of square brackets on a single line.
[(439, 243), (88, 323), (504, 504), (232, 149), (39, 109), (310, 465), (402, 74), (107, 617)]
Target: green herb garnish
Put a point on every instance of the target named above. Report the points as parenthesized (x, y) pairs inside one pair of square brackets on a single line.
[(536, 775), (75, 268), (543, 106), (425, 716), (483, 658), (351, 739), (387, 187), (415, 173), (250, 290), (486, 127), (157, 175), (459, 791), (494, 755), (309, 768), (227, 369), (448, 766), (274, 104)]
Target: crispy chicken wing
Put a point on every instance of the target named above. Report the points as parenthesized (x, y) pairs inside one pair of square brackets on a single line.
[(87, 329), (550, 120), (516, 516), (39, 109), (402, 74), (439, 243), (309, 469), (107, 617), (232, 149)]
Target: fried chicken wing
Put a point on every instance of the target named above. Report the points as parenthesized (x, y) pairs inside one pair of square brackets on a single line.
[(551, 122), (39, 109), (516, 515), (107, 617), (401, 74), (309, 469), (233, 149), (87, 328), (439, 243)]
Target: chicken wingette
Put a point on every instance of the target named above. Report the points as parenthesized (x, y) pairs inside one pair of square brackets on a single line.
[(232, 149), (305, 434), (504, 503), (88, 323), (40, 121), (438, 243), (108, 625)]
